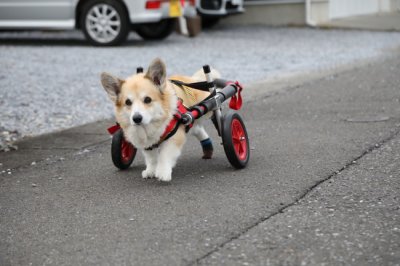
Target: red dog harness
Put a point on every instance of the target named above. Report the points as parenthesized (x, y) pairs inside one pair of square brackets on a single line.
[(172, 127)]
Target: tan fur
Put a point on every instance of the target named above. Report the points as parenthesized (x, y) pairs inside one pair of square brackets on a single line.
[(188, 101), (138, 83)]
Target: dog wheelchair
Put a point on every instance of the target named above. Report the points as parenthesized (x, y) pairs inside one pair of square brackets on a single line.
[(230, 126)]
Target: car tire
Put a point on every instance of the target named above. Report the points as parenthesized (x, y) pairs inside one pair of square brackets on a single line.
[(104, 22), (157, 31)]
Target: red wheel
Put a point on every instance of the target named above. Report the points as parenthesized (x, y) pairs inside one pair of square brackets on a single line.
[(122, 152), (236, 141)]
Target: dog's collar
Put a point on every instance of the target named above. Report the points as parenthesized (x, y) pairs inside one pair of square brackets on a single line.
[(172, 126)]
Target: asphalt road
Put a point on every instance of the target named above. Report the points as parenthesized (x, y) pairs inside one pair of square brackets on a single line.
[(322, 188)]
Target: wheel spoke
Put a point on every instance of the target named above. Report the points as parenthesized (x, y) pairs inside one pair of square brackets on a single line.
[(93, 18), (112, 14), (234, 132), (243, 147), (114, 23), (104, 9), (241, 150), (239, 130), (102, 36), (111, 31), (93, 26), (96, 10)]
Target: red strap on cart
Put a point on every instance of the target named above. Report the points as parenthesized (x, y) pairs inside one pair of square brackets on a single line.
[(113, 129), (173, 124), (236, 101)]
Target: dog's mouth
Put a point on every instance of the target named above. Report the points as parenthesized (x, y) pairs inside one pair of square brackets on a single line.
[(137, 124)]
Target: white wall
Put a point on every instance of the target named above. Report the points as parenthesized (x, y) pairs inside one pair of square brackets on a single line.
[(345, 8), (385, 6)]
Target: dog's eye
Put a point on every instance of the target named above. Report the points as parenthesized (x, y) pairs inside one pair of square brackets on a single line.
[(128, 102), (147, 100)]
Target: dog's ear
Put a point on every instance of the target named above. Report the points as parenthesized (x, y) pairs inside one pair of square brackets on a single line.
[(112, 85), (157, 73)]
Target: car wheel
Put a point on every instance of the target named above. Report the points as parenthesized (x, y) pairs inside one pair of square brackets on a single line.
[(157, 31), (104, 22)]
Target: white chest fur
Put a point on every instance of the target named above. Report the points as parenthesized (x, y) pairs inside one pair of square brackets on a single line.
[(145, 136)]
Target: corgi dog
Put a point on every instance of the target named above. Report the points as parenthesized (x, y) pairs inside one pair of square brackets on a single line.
[(145, 103)]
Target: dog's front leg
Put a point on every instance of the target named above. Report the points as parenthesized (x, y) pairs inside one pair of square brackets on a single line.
[(168, 156), (150, 157)]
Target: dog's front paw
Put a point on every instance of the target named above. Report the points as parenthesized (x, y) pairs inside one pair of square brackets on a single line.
[(164, 176), (148, 173)]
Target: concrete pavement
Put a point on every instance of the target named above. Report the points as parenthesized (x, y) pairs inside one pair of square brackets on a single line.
[(352, 218), (322, 187)]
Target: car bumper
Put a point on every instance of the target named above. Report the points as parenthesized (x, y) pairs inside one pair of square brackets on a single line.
[(226, 8)]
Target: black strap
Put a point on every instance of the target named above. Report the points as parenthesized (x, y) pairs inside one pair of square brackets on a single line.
[(202, 85), (170, 134)]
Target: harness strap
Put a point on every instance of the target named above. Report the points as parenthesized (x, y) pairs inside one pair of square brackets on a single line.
[(172, 127), (113, 129), (202, 85), (162, 139)]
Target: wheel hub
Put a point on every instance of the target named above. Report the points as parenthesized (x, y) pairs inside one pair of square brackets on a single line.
[(103, 23)]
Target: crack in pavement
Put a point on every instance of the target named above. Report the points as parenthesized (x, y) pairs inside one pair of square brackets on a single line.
[(302, 196)]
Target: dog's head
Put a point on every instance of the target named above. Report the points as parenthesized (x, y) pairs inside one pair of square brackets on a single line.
[(140, 99)]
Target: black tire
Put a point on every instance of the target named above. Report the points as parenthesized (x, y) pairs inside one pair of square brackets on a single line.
[(117, 150), (209, 22), (237, 155), (121, 12), (157, 31)]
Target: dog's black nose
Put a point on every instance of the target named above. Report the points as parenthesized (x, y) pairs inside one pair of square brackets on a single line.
[(137, 118)]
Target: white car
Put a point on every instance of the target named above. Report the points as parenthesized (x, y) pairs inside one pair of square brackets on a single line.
[(212, 10), (104, 22)]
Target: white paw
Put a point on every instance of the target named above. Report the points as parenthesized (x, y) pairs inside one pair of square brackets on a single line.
[(148, 173), (164, 176)]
